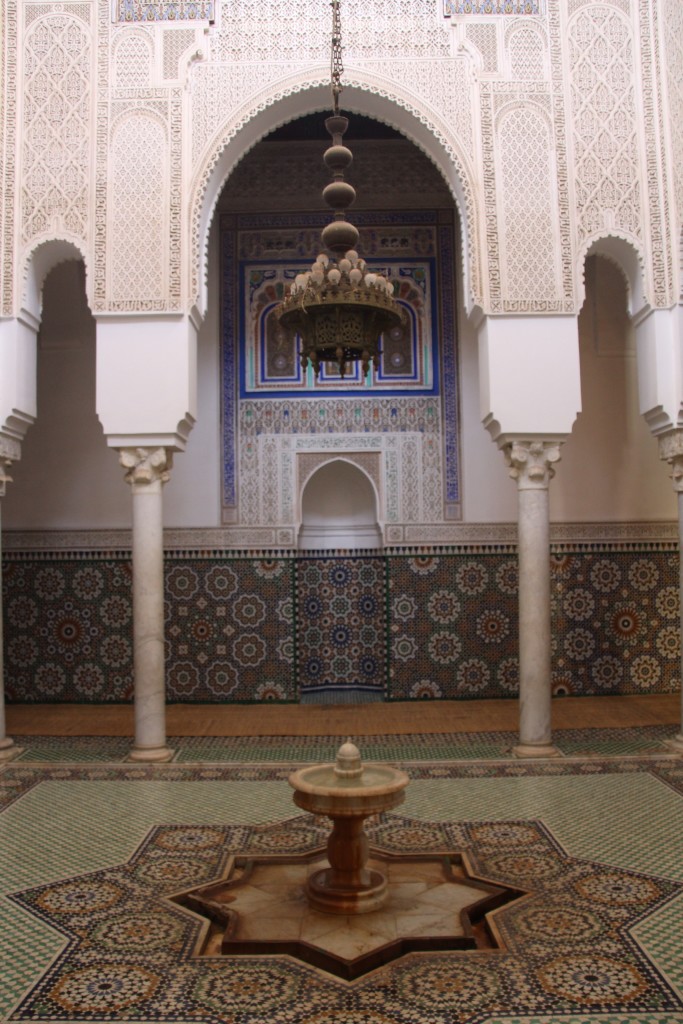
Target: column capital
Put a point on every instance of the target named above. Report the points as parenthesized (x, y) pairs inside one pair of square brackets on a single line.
[(671, 451), (5, 478), (531, 463), (146, 467)]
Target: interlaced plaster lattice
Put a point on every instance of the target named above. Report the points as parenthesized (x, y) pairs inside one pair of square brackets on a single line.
[(8, 134), (607, 178), (528, 215), (139, 162), (410, 454), (56, 127), (656, 128), (527, 51), (484, 35), (672, 19), (175, 43), (133, 55)]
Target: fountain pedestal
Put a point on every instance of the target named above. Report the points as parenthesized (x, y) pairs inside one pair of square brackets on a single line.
[(347, 793)]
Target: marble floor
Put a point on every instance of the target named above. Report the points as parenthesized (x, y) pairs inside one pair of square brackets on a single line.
[(94, 848)]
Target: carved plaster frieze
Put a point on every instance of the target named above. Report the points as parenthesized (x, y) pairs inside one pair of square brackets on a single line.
[(146, 467), (531, 463), (563, 536)]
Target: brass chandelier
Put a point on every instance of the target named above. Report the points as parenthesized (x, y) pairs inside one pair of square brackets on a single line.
[(339, 308)]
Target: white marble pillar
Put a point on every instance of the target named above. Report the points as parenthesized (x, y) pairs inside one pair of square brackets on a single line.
[(531, 466), (8, 748), (671, 449), (147, 472)]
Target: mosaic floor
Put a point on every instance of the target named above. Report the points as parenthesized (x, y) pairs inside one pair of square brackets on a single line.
[(90, 851)]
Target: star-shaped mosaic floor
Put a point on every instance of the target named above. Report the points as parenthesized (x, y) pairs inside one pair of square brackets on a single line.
[(567, 948)]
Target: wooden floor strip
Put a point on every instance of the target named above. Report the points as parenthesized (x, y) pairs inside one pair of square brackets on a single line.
[(390, 719)]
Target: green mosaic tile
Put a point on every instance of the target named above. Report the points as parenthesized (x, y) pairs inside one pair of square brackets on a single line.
[(630, 820), (648, 739), (75, 748), (660, 937)]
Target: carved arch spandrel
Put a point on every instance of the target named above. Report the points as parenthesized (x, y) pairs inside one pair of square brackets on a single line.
[(366, 94)]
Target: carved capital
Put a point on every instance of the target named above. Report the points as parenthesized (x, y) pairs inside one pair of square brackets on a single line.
[(531, 463), (5, 479), (671, 451), (146, 466)]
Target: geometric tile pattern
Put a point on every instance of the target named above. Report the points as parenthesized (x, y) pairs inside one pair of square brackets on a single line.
[(567, 945), (229, 630), (453, 627), (397, 627), (570, 830), (646, 739), (341, 640)]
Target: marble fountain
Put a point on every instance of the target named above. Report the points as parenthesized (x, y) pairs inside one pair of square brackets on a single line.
[(348, 907)]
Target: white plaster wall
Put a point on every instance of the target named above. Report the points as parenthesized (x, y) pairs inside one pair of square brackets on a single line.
[(69, 479), (610, 467)]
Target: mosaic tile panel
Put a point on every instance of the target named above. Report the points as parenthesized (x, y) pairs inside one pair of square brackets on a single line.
[(615, 622), (341, 641), (68, 630), (426, 626), (453, 627), (568, 945), (229, 630)]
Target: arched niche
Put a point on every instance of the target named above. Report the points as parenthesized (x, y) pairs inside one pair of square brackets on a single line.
[(339, 509)]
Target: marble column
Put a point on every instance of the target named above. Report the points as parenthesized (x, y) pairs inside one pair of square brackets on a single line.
[(531, 465), (671, 449), (8, 748), (147, 470)]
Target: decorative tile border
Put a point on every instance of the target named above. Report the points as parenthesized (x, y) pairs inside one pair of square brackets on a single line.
[(497, 8), (134, 11)]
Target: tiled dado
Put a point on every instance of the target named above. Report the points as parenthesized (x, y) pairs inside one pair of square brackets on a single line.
[(431, 624)]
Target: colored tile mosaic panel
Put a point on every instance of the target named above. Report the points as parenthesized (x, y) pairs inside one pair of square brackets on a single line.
[(341, 639), (567, 950), (128, 11), (68, 629), (615, 622), (447, 629), (453, 627), (229, 630)]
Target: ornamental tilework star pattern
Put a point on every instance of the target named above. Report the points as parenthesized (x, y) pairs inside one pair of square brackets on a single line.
[(229, 630), (342, 632), (591, 940), (403, 627)]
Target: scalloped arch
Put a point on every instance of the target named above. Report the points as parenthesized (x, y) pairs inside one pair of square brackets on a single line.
[(624, 252), (303, 94), (44, 255)]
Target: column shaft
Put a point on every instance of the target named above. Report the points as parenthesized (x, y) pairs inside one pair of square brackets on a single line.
[(531, 466), (147, 472), (534, 619)]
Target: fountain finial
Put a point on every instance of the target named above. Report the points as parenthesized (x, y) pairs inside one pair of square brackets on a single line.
[(348, 764)]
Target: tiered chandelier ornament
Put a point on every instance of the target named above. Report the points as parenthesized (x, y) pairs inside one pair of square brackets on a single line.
[(339, 308)]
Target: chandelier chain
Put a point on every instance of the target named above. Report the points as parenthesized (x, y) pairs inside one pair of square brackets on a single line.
[(337, 67)]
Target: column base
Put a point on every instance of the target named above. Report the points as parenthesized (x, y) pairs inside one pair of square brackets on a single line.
[(9, 749), (535, 750), (151, 755), (675, 744)]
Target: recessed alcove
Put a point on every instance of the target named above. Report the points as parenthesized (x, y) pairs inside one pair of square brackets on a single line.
[(339, 509)]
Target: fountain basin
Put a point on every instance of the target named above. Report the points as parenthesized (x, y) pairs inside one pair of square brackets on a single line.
[(347, 793)]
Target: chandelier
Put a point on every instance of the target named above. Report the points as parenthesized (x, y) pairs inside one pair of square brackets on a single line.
[(340, 307)]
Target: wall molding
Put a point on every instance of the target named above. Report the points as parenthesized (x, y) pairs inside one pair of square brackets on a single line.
[(456, 535)]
